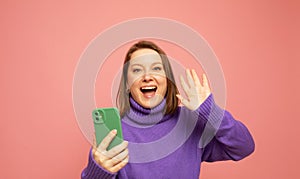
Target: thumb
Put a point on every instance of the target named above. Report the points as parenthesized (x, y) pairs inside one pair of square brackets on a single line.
[(182, 100)]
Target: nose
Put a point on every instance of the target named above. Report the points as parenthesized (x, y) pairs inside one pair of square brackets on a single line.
[(147, 77)]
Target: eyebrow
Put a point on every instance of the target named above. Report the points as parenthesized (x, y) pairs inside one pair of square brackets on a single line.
[(139, 64)]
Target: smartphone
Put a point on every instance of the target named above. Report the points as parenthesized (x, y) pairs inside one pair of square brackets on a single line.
[(105, 120)]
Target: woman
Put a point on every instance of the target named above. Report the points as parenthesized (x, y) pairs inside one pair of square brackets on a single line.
[(148, 100)]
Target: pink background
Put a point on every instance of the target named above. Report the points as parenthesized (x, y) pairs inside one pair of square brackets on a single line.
[(257, 43)]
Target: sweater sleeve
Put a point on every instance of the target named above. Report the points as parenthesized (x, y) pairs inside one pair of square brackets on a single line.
[(223, 138), (94, 171)]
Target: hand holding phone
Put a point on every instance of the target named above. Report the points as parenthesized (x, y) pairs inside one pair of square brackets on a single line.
[(105, 120)]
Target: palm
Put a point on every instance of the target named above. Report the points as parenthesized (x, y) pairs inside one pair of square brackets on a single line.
[(195, 91)]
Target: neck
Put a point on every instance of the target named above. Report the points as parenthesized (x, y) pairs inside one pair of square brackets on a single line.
[(138, 115)]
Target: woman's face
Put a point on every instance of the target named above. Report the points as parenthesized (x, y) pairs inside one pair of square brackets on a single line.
[(146, 78)]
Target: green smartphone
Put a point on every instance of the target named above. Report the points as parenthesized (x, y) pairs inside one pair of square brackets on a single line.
[(105, 120)]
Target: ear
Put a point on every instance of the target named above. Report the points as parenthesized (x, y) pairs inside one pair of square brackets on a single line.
[(127, 88)]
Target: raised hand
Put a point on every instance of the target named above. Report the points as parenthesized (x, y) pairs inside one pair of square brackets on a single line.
[(194, 90)]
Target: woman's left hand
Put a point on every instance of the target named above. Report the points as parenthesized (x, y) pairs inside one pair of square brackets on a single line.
[(194, 90)]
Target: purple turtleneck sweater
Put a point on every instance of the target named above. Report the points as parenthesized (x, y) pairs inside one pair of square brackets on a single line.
[(173, 146)]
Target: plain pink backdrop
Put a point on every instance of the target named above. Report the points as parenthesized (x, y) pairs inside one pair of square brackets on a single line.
[(257, 43)]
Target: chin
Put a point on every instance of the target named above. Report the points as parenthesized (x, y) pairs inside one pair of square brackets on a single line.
[(152, 102)]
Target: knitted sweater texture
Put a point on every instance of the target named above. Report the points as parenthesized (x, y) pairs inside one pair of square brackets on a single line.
[(174, 145)]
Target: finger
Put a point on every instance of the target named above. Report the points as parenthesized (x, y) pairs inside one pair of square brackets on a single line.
[(184, 85), (107, 140), (117, 149), (195, 77), (180, 98), (183, 101), (189, 78), (120, 165), (205, 81), (120, 157), (94, 144)]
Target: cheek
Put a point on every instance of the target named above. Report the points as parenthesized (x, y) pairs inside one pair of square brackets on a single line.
[(133, 85), (131, 80), (161, 79), (162, 82)]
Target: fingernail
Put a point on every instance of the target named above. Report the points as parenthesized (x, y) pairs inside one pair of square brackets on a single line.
[(114, 131)]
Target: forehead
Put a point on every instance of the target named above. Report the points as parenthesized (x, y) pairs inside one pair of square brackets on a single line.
[(145, 57)]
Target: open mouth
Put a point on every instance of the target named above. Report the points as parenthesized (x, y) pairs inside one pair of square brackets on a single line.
[(148, 91)]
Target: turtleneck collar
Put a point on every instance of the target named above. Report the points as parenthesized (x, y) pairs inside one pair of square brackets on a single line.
[(140, 116)]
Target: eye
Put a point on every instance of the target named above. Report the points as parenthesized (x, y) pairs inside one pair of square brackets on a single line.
[(157, 68), (136, 70)]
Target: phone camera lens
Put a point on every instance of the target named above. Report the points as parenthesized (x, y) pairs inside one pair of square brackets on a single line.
[(97, 119), (96, 113)]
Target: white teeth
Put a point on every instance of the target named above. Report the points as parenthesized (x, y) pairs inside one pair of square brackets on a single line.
[(148, 88)]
